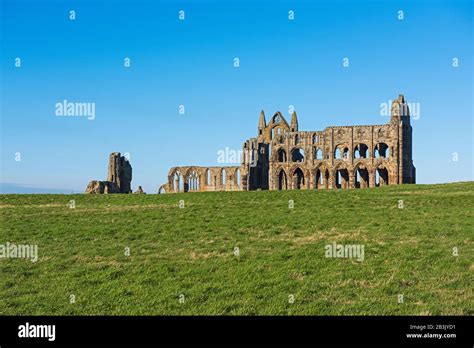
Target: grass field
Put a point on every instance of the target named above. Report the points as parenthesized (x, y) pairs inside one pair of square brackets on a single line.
[(183, 261)]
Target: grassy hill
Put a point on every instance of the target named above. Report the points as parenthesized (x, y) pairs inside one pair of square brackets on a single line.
[(184, 260)]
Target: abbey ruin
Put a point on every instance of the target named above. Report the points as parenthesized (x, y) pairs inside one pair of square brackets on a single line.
[(281, 157), (119, 177)]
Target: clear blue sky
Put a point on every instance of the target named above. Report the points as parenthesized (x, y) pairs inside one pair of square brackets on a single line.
[(190, 62)]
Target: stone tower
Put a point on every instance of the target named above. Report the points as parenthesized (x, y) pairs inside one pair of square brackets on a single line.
[(262, 124), (120, 172), (258, 165), (119, 177), (400, 118), (294, 122)]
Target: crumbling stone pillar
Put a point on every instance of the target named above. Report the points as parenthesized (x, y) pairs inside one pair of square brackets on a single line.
[(119, 177), (120, 172), (351, 179), (372, 179)]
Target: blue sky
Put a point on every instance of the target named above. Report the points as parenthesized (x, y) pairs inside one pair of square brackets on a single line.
[(282, 62)]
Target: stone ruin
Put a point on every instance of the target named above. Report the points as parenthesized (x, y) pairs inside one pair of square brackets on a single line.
[(139, 191), (281, 157), (119, 177)]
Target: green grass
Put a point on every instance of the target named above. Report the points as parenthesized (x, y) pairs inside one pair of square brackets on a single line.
[(190, 251)]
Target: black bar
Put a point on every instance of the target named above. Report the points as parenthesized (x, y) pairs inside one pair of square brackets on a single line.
[(243, 330)]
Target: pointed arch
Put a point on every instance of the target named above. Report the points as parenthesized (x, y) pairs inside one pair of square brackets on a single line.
[(297, 154), (341, 177), (319, 178), (381, 176), (381, 150), (162, 189), (193, 181), (298, 179), (282, 180), (318, 154), (177, 181), (281, 155), (361, 176), (361, 151)]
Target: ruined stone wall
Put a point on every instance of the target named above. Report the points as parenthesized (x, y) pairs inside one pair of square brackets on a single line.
[(332, 158), (119, 177), (282, 157), (199, 179)]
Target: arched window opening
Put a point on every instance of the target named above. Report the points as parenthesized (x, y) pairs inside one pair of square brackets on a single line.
[(223, 177), (237, 178), (281, 155), (361, 178), (318, 154), (282, 138), (345, 153), (361, 151), (297, 155), (341, 178), (208, 177), (381, 177), (178, 182), (318, 179), (298, 179), (381, 151), (193, 181), (282, 184)]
